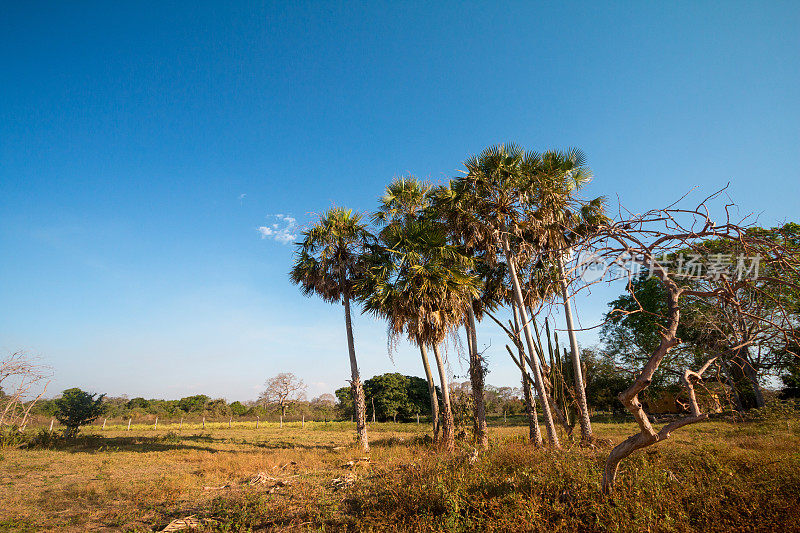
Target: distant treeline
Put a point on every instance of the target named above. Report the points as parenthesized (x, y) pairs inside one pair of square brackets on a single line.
[(198, 406), (392, 396)]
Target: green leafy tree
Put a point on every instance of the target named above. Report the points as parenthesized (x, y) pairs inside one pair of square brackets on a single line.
[(395, 395), (344, 396), (604, 381), (77, 408), (138, 403), (746, 336), (387, 393), (218, 407), (194, 404), (238, 409)]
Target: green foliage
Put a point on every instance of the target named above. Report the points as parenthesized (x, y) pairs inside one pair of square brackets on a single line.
[(218, 407), (396, 397), (76, 408), (139, 403), (630, 337), (44, 439), (10, 436), (775, 410), (327, 260), (237, 408), (604, 382), (791, 382), (194, 404), (755, 346), (344, 396)]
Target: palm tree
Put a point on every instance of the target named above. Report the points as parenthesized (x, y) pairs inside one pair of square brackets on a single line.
[(421, 284), (447, 206), (561, 219), (405, 199), (327, 264), (493, 194)]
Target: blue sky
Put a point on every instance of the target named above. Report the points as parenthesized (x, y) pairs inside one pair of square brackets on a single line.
[(143, 145)]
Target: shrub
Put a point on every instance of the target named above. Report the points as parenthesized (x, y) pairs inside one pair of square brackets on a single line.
[(76, 408)]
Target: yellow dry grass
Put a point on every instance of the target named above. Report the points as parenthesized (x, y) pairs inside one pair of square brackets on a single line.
[(138, 480)]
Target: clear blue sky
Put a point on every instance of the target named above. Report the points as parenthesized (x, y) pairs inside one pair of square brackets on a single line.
[(142, 145)]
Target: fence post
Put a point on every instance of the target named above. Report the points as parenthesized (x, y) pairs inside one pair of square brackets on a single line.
[(129, 424), (417, 418), (257, 419), (51, 425), (155, 426), (229, 422), (104, 423), (304, 420)]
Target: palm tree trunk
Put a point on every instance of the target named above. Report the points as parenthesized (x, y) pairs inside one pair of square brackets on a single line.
[(359, 403), (476, 380), (552, 436), (580, 387), (432, 392), (534, 431), (448, 437)]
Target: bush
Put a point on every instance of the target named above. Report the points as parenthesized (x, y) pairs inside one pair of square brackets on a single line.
[(44, 439), (775, 410), (10, 436), (76, 408)]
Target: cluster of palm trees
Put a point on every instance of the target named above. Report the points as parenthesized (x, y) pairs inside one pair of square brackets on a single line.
[(438, 258)]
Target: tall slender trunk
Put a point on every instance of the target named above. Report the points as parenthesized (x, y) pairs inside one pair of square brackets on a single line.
[(448, 433), (580, 387), (359, 403), (432, 392), (476, 380), (552, 436), (534, 431)]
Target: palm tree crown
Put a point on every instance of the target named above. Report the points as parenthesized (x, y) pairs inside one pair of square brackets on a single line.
[(328, 260), (416, 279)]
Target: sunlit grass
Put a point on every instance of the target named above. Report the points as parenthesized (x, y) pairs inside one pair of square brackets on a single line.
[(714, 476)]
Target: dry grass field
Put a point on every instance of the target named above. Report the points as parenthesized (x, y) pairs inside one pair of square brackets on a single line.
[(718, 476)]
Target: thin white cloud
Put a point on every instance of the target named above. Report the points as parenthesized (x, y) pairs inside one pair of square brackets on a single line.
[(284, 230)]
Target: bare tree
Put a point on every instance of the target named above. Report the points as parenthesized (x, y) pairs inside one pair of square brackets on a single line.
[(653, 242), (24, 382), (283, 390)]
